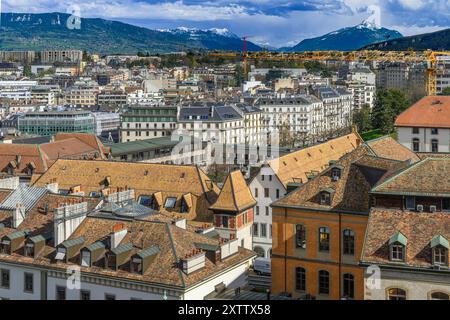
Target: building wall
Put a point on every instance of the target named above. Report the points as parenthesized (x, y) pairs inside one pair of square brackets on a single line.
[(406, 136), (418, 286), (272, 183), (16, 282), (310, 258)]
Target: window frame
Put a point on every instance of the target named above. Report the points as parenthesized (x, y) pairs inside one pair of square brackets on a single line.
[(300, 278), (396, 294), (25, 275), (324, 231), (403, 252), (323, 275), (58, 291), (345, 242), (304, 236), (8, 273), (348, 277)]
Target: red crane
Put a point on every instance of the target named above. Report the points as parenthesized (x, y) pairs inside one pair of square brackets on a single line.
[(244, 52)]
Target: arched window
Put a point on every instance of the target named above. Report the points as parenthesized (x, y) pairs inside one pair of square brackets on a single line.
[(300, 236), (300, 279), (259, 251), (396, 294), (348, 242), (349, 286), (439, 296), (434, 146), (324, 282), (324, 239), (416, 145)]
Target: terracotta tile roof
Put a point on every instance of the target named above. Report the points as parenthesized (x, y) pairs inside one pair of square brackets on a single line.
[(387, 147), (360, 171), (71, 148), (235, 194), (429, 112), (173, 243), (160, 180), (427, 177), (89, 139), (418, 228), (295, 166), (29, 154)]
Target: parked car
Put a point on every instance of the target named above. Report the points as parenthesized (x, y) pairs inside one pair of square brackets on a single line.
[(262, 266)]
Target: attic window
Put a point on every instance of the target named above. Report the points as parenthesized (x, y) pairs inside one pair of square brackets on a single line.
[(326, 196), (146, 173), (336, 174), (397, 247), (439, 246), (170, 203)]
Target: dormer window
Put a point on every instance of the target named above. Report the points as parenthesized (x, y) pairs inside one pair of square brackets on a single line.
[(439, 247), (397, 247), (336, 173), (326, 196), (170, 203)]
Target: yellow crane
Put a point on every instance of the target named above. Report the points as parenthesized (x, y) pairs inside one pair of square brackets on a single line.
[(434, 68)]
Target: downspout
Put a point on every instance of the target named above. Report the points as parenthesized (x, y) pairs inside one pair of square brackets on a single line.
[(340, 254), (285, 250)]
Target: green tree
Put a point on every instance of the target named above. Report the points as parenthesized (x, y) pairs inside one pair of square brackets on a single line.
[(361, 119), (389, 103), (446, 92)]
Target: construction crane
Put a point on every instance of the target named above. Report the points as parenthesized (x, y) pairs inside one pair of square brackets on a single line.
[(244, 52), (432, 59)]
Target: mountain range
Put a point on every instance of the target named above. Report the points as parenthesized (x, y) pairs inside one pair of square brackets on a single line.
[(347, 39), (23, 31)]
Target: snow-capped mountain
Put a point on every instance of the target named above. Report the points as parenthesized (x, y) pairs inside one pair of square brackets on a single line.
[(347, 39)]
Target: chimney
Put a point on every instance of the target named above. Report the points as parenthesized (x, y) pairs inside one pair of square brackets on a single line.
[(18, 215), (18, 159), (118, 234)]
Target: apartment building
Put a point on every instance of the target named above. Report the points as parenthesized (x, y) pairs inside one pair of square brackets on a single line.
[(303, 114), (406, 249), (254, 129), (282, 175), (51, 56), (338, 108), (144, 122), (122, 253), (222, 124), (425, 126), (112, 98), (44, 95), (19, 56), (443, 75), (363, 94), (401, 75), (319, 228), (82, 93), (142, 98)]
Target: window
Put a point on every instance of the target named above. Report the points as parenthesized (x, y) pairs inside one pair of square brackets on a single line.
[(28, 282), (256, 192), (278, 193), (440, 255), (266, 192), (434, 146), (325, 198), (267, 211), (349, 242), (170, 203), (60, 293), (263, 230), (324, 239), (434, 131), (410, 203), (300, 279), (145, 200), (396, 294), (336, 174), (300, 236), (270, 231), (416, 145), (224, 221), (257, 210), (446, 204), (259, 251), (262, 177), (439, 296), (349, 286), (324, 282), (255, 230), (109, 296), (397, 252), (415, 130), (85, 295), (4, 280)]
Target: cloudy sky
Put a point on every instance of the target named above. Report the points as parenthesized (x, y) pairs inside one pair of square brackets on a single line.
[(270, 22)]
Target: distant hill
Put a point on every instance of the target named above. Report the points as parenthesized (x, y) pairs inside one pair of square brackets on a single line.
[(347, 39), (23, 31), (438, 41)]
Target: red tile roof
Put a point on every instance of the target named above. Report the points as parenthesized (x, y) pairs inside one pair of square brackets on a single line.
[(430, 112)]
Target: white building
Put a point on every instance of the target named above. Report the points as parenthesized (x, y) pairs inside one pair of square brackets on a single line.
[(425, 126)]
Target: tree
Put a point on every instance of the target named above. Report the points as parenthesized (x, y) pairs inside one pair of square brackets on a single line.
[(389, 103), (446, 92), (361, 119)]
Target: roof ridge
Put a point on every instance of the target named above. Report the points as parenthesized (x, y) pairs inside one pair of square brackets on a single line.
[(233, 192), (174, 251)]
